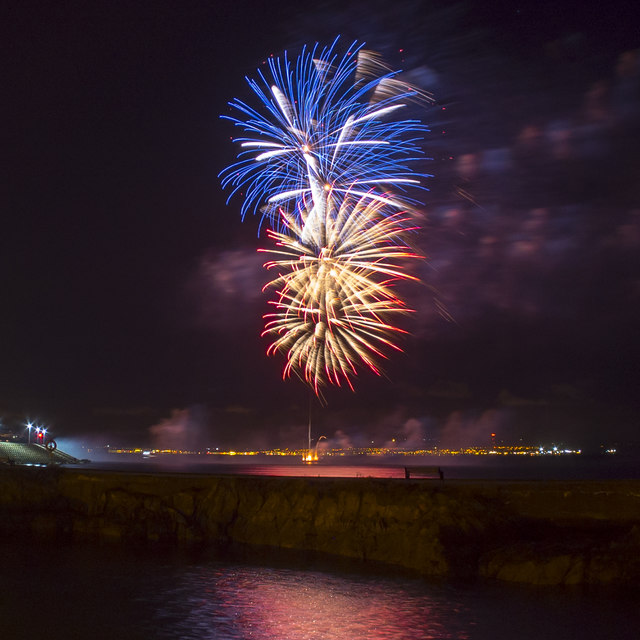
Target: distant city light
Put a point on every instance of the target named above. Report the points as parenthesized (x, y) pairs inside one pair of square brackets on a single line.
[(502, 450)]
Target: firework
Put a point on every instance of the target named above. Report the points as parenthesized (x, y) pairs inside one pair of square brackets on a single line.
[(328, 168), (326, 125), (335, 299)]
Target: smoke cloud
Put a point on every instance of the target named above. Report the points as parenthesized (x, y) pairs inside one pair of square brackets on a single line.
[(184, 430)]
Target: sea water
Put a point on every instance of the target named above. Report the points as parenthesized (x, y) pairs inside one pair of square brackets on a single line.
[(101, 592), (487, 467)]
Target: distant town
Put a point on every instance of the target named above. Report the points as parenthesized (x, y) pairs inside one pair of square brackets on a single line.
[(519, 450), (40, 435)]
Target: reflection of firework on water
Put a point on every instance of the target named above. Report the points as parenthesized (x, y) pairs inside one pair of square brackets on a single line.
[(329, 172), (335, 297)]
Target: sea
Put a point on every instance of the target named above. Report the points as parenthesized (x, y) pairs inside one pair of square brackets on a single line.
[(106, 593), (457, 467), (99, 592)]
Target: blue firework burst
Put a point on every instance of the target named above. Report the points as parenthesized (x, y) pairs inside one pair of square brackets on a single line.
[(324, 122)]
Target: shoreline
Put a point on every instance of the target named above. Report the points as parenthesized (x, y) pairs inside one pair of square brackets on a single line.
[(538, 532)]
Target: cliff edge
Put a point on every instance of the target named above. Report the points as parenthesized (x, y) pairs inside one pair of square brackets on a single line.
[(545, 533)]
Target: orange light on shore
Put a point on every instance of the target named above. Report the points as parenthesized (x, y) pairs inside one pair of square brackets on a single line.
[(311, 455)]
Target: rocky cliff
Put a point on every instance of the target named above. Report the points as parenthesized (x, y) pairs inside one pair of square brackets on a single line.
[(530, 532)]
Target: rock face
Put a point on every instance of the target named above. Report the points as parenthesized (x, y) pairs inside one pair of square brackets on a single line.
[(539, 533)]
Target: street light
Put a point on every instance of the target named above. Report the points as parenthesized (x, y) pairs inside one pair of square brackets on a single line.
[(29, 426)]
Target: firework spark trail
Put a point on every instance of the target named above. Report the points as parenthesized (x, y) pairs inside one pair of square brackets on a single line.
[(329, 173), (335, 302), (324, 127)]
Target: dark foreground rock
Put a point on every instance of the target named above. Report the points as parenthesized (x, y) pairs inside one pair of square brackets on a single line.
[(546, 533)]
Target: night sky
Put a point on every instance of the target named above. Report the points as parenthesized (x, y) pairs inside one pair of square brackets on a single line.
[(131, 292)]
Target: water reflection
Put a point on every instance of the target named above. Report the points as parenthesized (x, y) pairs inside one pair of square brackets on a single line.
[(263, 603), (106, 593), (454, 468)]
